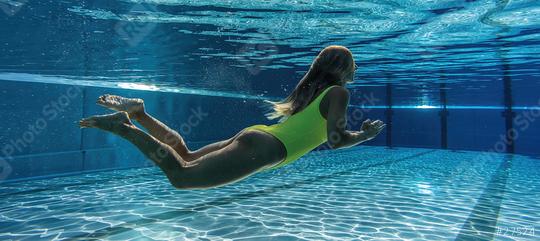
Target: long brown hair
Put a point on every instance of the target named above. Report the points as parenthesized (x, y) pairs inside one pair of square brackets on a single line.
[(330, 67)]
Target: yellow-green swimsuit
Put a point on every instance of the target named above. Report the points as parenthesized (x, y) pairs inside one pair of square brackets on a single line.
[(301, 132)]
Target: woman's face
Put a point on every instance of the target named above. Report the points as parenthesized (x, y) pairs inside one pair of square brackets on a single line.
[(350, 76)]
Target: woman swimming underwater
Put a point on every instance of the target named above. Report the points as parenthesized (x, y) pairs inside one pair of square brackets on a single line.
[(314, 113)]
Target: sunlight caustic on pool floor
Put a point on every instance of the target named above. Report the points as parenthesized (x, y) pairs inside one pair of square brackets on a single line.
[(364, 193)]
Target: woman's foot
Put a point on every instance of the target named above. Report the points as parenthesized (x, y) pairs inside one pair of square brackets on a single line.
[(114, 123), (134, 107)]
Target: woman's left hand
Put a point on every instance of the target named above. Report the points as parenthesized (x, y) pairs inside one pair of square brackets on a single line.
[(372, 128)]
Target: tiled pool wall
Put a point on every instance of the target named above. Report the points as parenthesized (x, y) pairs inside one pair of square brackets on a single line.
[(40, 136)]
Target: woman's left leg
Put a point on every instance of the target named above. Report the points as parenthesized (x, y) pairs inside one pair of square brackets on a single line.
[(172, 138)]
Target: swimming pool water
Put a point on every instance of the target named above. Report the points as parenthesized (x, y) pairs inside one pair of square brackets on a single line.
[(253, 48), (360, 193), (456, 75)]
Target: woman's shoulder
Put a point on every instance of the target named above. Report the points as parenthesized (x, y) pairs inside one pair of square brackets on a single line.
[(337, 91), (337, 94)]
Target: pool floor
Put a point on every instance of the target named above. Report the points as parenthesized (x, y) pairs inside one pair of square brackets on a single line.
[(361, 193)]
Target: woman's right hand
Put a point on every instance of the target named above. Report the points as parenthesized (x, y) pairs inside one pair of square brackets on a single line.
[(372, 128)]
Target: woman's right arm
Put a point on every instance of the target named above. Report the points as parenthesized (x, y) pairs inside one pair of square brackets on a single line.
[(338, 136)]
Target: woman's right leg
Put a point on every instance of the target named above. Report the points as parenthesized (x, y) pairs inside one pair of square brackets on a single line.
[(163, 133)]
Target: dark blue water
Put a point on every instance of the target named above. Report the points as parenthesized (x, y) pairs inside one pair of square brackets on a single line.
[(263, 48), (456, 75)]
